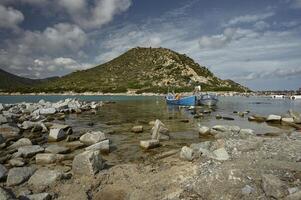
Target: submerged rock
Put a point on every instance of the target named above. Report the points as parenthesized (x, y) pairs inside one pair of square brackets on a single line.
[(149, 144), (92, 137), (87, 163), (19, 175), (137, 129)]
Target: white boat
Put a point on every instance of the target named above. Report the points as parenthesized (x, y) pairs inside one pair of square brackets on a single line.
[(207, 99), (295, 97), (278, 96)]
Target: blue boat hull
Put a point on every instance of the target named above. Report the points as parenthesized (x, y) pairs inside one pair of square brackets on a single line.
[(184, 101)]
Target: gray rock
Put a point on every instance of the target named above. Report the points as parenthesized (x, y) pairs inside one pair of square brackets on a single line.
[(40, 196), (257, 118), (8, 131), (3, 171), (75, 145), (20, 143), (202, 145), (29, 151), (47, 111), (1, 107), (37, 125), (187, 153), (19, 175), (44, 178), (3, 120), (158, 129), (247, 190), (296, 116), (56, 134), (294, 196), (221, 154), (56, 149), (287, 119), (103, 146), (273, 186), (246, 131), (92, 137), (204, 130), (48, 158), (149, 144), (5, 195), (273, 118), (87, 163), (16, 162), (226, 128), (137, 129)]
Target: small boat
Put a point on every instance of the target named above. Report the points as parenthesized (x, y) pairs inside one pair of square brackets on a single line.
[(207, 99), (182, 101), (295, 97)]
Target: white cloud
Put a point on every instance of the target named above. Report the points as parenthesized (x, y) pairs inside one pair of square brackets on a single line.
[(296, 4), (96, 14), (261, 25), (10, 17), (249, 18)]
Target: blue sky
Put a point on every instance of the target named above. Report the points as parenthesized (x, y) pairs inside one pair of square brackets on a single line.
[(256, 43)]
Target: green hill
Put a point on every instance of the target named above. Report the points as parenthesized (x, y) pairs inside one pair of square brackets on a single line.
[(142, 70)]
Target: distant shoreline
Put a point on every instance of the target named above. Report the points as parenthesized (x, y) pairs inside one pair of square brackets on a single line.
[(111, 94)]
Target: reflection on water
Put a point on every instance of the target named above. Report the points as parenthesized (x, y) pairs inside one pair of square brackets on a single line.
[(119, 118)]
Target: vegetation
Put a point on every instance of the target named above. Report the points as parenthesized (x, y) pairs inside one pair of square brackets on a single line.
[(140, 70)]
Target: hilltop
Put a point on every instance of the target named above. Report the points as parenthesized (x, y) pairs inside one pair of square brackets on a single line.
[(142, 70)]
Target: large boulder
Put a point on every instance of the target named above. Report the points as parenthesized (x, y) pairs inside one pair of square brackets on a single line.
[(20, 143), (54, 148), (29, 151), (87, 163), (19, 175), (8, 131), (273, 186), (44, 178), (103, 146), (3, 171), (92, 137), (149, 144)]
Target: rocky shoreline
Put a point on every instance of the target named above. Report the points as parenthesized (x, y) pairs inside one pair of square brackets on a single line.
[(42, 158)]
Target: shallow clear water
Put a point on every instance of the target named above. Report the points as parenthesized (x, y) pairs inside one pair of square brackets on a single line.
[(138, 110)]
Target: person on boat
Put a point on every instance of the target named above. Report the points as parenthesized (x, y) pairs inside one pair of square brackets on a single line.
[(178, 96)]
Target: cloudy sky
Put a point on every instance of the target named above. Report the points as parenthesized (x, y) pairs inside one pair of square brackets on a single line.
[(256, 43)]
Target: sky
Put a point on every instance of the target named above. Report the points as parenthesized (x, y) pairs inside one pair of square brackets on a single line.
[(256, 43)]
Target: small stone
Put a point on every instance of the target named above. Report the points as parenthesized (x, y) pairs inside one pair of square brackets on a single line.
[(246, 132), (3, 172), (103, 146), (92, 137), (40, 196), (20, 143), (247, 190), (87, 163), (187, 153), (43, 178), (149, 144), (204, 130), (221, 154), (273, 186), (56, 149), (16, 162), (19, 175), (47, 111), (56, 134), (29, 151), (256, 118), (273, 118), (5, 195), (137, 129), (287, 119)]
